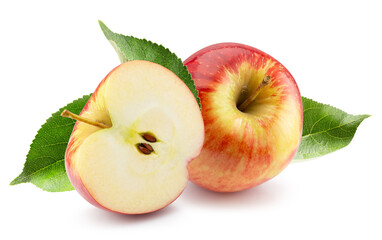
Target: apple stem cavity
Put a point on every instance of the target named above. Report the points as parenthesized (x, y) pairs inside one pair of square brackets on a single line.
[(252, 97), (71, 115)]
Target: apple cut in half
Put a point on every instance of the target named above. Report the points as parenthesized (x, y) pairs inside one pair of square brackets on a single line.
[(129, 151)]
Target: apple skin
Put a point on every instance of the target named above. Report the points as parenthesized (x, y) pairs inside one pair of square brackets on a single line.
[(76, 140), (243, 150), (72, 147)]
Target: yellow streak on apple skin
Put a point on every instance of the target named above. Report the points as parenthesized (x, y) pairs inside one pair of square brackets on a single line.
[(242, 150)]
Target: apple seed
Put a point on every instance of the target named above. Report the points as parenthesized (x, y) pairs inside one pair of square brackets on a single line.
[(145, 148), (149, 137)]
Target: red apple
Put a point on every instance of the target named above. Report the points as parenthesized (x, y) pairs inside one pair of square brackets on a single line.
[(129, 151), (252, 113)]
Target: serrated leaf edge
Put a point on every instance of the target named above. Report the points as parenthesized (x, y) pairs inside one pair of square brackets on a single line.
[(26, 178), (360, 119), (106, 31)]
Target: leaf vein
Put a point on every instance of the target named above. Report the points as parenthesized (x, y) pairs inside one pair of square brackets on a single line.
[(311, 134), (29, 175), (311, 129)]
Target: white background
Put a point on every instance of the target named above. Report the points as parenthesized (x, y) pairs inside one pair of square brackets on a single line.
[(54, 52)]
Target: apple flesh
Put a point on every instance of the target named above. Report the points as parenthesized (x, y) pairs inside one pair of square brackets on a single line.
[(252, 127), (138, 164)]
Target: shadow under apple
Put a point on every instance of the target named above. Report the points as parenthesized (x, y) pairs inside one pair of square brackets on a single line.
[(265, 194), (105, 218)]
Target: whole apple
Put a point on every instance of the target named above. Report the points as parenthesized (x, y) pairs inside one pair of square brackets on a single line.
[(252, 113)]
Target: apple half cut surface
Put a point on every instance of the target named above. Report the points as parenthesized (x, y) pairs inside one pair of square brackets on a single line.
[(138, 131), (252, 112)]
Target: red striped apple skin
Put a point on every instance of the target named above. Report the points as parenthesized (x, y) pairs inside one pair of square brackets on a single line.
[(243, 149), (73, 144)]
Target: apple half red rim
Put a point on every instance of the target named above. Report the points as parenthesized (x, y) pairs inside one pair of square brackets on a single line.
[(136, 160)]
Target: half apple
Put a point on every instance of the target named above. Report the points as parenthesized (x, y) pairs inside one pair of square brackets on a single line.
[(129, 151)]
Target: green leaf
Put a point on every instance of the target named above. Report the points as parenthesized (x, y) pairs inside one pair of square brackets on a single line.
[(131, 48), (45, 164), (325, 129)]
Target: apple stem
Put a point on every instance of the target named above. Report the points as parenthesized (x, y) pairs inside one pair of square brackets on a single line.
[(71, 115), (252, 97)]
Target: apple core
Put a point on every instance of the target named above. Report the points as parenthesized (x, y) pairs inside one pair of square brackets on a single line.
[(130, 147)]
